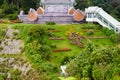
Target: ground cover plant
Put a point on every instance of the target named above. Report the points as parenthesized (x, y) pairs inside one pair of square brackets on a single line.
[(3, 29)]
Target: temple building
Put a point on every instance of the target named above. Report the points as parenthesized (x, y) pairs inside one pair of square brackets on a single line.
[(63, 12), (58, 11)]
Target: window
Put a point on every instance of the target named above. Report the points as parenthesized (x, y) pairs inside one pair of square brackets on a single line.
[(111, 26), (89, 15), (116, 29), (105, 21), (100, 17), (94, 15)]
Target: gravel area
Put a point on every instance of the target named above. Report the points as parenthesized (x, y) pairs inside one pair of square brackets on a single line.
[(11, 45)]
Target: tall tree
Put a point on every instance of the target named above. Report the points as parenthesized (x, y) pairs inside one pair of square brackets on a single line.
[(82, 4), (26, 5)]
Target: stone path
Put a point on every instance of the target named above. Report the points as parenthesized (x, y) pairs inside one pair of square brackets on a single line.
[(10, 44)]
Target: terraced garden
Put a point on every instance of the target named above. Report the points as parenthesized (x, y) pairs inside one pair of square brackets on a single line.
[(47, 47)]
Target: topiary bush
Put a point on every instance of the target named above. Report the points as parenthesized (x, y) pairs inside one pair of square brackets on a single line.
[(51, 34), (51, 28), (50, 23), (53, 46), (90, 32)]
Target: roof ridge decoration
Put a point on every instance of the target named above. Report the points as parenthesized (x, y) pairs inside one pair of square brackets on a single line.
[(32, 15), (78, 15), (71, 11), (40, 11)]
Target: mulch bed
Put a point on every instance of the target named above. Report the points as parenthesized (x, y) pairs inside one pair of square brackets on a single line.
[(62, 50), (86, 30), (98, 37), (1, 21), (15, 21), (53, 30)]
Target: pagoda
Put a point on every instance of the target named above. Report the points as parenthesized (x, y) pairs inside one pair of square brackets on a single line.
[(58, 11)]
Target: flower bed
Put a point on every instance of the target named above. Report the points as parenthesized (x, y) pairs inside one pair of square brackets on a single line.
[(62, 50)]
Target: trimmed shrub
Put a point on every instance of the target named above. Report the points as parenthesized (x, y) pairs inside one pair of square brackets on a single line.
[(51, 28), (51, 34), (50, 23), (53, 46), (90, 32)]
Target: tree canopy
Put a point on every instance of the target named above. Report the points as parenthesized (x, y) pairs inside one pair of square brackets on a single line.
[(14, 6)]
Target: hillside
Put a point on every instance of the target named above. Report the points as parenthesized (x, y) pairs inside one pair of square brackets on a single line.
[(75, 49), (47, 47)]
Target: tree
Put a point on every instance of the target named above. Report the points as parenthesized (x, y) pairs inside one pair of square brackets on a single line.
[(96, 64), (26, 5), (82, 4)]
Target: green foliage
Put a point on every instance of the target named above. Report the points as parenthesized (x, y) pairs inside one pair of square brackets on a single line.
[(66, 60), (50, 23), (51, 28), (26, 5), (88, 27), (12, 16), (48, 67), (15, 74), (118, 38), (90, 32), (2, 15), (114, 37), (9, 9), (108, 31), (3, 76), (82, 4), (98, 64), (53, 46), (45, 52), (37, 32), (1, 48)]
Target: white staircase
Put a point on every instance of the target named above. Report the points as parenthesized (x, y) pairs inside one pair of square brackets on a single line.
[(96, 14)]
